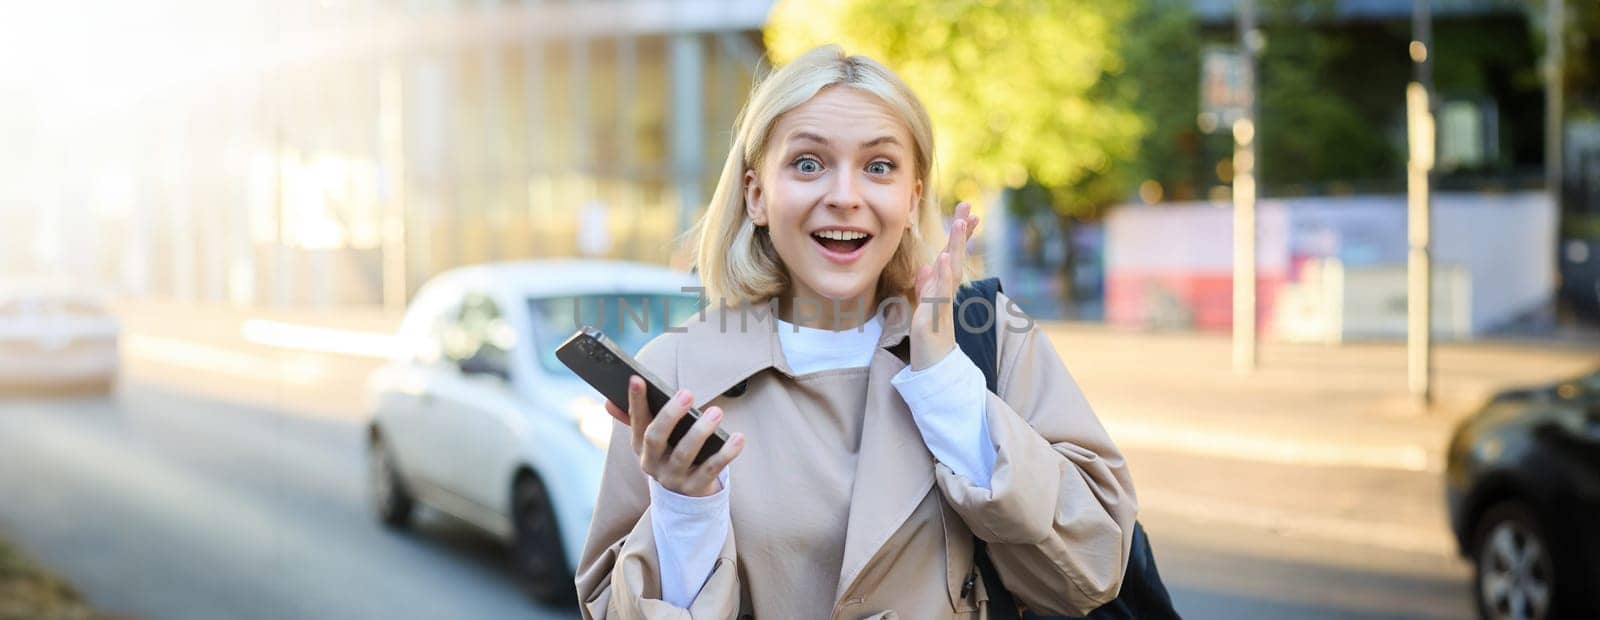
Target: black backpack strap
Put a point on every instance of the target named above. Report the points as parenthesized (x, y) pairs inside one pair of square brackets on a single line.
[(974, 307), (976, 324), (1143, 596)]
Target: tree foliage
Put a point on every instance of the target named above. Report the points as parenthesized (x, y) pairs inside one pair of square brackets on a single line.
[(1160, 45), (1310, 129), (1019, 90)]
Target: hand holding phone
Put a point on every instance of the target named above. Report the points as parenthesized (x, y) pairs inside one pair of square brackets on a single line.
[(678, 445), (665, 454)]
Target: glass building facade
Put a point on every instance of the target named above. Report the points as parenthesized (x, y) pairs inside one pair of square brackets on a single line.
[(340, 152)]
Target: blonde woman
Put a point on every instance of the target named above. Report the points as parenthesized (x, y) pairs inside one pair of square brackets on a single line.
[(865, 450)]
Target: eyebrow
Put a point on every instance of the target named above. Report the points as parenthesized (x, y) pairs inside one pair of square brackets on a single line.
[(806, 135)]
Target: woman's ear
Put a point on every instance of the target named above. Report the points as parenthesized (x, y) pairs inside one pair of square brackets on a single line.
[(755, 204)]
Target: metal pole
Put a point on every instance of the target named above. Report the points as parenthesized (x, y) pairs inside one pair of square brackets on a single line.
[(1419, 270), (687, 62), (1555, 50), (1244, 201)]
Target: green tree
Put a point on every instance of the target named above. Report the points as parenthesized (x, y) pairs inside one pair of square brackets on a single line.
[(1071, 103), (1015, 88), (1160, 83), (1582, 60), (1311, 130)]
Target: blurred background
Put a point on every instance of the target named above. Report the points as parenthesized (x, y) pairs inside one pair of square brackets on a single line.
[(267, 268)]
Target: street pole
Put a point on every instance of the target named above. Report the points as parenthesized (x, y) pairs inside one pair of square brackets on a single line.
[(686, 59), (1244, 200), (1555, 50), (1419, 269)]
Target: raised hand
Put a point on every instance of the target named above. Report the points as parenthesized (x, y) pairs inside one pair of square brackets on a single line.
[(933, 333)]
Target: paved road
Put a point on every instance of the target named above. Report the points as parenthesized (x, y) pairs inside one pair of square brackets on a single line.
[(1252, 540), (225, 480), (166, 505)]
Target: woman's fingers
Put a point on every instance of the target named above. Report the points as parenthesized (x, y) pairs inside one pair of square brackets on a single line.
[(690, 444), (947, 286), (705, 474), (961, 232), (933, 285), (958, 256), (656, 449), (638, 411), (963, 214), (675, 468), (958, 243)]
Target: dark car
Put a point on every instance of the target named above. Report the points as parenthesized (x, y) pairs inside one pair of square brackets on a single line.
[(1580, 277), (1523, 487)]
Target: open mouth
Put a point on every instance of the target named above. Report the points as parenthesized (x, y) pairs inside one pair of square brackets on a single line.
[(842, 242)]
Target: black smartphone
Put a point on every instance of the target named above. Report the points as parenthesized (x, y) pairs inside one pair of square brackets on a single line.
[(607, 369)]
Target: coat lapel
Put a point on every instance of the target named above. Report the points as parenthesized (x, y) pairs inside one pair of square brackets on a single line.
[(729, 346), (894, 470)]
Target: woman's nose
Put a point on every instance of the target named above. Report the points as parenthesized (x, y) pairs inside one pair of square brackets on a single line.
[(843, 192)]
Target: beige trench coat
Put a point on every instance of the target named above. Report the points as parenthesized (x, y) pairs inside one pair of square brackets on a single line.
[(1058, 517)]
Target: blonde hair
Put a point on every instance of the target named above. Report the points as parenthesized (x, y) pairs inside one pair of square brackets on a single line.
[(736, 260)]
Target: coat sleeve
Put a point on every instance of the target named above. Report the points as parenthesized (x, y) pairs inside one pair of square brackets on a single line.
[(1059, 511), (619, 574)]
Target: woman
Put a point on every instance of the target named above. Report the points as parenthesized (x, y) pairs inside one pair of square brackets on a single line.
[(875, 451)]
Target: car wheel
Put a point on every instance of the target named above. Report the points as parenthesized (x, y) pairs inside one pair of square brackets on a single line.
[(1515, 572), (386, 491), (540, 560)]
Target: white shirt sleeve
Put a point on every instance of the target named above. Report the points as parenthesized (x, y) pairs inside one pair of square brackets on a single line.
[(689, 532), (949, 400)]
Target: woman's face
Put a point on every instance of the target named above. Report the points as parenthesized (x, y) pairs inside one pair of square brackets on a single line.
[(837, 190)]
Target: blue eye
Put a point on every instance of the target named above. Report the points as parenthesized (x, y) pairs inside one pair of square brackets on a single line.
[(880, 167), (807, 165)]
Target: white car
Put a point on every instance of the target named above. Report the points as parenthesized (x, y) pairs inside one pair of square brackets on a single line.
[(55, 340), (475, 417)]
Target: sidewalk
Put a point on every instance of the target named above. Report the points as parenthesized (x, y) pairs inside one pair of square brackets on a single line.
[(304, 361), (1342, 405), (1319, 449)]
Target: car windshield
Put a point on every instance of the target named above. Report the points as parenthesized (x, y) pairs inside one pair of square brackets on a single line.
[(630, 320)]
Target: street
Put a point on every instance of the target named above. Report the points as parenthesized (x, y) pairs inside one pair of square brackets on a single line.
[(163, 505), (1259, 542), (201, 490), (1323, 270), (159, 505)]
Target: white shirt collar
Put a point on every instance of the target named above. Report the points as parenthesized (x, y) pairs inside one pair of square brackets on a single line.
[(809, 349)]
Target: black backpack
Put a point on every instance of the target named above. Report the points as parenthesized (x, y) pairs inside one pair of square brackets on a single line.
[(1143, 596)]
